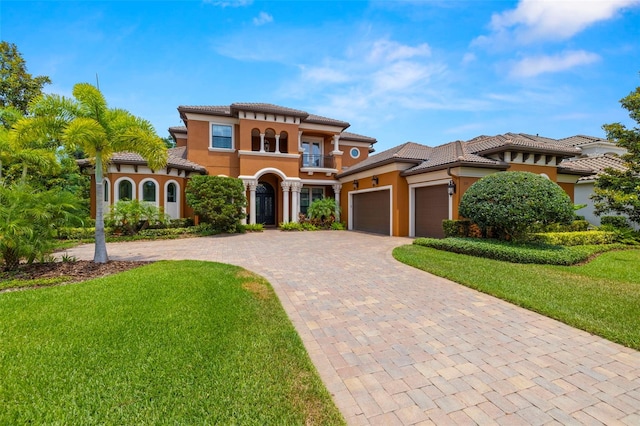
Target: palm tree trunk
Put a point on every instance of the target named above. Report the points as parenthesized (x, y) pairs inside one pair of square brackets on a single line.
[(100, 254)]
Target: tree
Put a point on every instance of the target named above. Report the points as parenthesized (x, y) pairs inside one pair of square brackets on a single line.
[(29, 219), (87, 123), (17, 86), (619, 190), (512, 201), (217, 200)]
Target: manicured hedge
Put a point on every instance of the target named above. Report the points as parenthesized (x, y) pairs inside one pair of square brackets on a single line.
[(516, 253), (574, 238)]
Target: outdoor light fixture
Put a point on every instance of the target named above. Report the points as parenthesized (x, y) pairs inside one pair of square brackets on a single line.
[(374, 180), (451, 188), (355, 185)]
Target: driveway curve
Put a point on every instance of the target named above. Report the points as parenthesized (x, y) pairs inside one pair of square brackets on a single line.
[(396, 345)]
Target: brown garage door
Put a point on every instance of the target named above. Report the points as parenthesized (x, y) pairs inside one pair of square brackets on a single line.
[(371, 212), (432, 207)]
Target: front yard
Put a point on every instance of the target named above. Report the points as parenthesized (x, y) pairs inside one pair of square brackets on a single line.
[(168, 343), (601, 297)]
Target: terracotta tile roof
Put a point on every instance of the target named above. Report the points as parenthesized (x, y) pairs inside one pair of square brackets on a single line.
[(176, 158), (595, 165), (408, 152), (457, 153), (219, 110), (356, 137), (580, 140), (318, 119), (519, 142), (268, 108), (178, 129)]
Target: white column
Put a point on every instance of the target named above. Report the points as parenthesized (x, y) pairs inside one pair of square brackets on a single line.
[(252, 201), (295, 195), (300, 141), (278, 144), (285, 201), (336, 138), (261, 142), (337, 187)]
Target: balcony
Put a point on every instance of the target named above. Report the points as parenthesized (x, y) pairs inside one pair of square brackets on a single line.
[(317, 161)]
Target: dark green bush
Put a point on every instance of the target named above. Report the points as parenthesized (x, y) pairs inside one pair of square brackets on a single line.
[(456, 228), (510, 202), (217, 200), (618, 222), (516, 253)]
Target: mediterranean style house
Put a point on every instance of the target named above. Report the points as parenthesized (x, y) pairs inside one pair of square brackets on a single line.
[(287, 158)]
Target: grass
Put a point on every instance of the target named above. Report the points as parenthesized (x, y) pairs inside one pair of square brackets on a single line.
[(601, 297), (169, 343)]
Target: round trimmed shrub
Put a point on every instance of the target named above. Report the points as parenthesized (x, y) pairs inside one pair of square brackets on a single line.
[(510, 202)]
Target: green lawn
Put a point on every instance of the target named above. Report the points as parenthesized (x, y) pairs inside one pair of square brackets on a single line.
[(601, 297), (169, 343)]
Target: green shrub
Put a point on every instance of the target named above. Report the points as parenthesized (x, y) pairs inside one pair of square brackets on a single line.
[(298, 226), (68, 233), (256, 227), (217, 200), (510, 202), (618, 222), (515, 252), (580, 238), (338, 226), (456, 228), (131, 217), (575, 226)]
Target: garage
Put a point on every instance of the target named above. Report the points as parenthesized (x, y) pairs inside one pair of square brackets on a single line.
[(431, 208), (371, 211)]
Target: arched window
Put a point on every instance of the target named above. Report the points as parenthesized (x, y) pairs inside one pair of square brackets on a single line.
[(125, 190), (172, 193), (105, 186), (149, 191)]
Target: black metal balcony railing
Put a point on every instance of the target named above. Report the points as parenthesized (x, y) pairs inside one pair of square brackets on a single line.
[(320, 161)]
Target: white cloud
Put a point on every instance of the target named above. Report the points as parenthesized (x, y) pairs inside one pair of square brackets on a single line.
[(262, 18), (386, 50), (536, 65), (534, 20), (324, 74), (229, 3)]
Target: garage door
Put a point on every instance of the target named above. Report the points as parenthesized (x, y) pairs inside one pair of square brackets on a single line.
[(431, 208), (371, 212)]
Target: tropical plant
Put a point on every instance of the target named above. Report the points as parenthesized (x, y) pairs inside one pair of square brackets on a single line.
[(510, 202), (618, 191), (86, 123), (217, 200), (134, 216), (324, 210), (17, 86), (29, 220)]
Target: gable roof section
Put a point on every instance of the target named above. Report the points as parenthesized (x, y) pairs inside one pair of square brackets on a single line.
[(593, 164), (519, 142), (408, 152), (453, 154)]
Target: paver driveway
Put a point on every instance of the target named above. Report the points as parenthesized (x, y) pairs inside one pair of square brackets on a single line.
[(395, 345)]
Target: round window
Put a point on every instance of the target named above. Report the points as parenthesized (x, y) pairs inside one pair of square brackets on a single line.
[(355, 152)]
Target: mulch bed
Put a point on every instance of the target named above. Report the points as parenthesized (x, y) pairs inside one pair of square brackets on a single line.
[(80, 270)]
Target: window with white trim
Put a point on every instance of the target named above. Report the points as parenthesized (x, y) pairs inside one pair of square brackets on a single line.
[(125, 190), (354, 152), (221, 136), (308, 195), (149, 191), (312, 156)]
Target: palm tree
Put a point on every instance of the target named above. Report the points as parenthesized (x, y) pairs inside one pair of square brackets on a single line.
[(87, 123)]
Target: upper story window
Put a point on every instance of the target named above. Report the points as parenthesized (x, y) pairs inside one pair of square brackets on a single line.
[(221, 136), (312, 156)]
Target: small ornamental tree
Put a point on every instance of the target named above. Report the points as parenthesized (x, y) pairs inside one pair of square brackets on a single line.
[(217, 200), (510, 202), (618, 191)]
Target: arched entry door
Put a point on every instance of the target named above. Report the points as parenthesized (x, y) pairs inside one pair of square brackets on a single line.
[(265, 204)]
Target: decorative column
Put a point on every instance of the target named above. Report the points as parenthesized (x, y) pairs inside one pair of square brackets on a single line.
[(278, 144), (295, 195), (244, 209), (300, 141), (253, 184), (261, 142), (285, 200), (336, 138), (337, 187)]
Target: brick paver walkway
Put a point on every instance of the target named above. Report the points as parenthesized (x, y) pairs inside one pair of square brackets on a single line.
[(395, 345)]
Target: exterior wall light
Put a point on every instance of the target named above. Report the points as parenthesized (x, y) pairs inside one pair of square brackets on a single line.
[(355, 185), (374, 180), (451, 188)]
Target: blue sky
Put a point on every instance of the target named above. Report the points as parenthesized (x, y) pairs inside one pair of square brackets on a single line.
[(422, 71)]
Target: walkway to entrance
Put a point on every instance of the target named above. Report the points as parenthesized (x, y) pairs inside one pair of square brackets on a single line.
[(396, 345)]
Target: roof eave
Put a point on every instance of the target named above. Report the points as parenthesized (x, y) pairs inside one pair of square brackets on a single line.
[(501, 166), (378, 164)]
